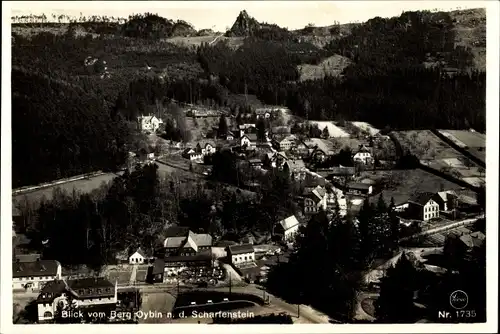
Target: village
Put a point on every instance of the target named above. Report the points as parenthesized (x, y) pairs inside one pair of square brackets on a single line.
[(433, 180)]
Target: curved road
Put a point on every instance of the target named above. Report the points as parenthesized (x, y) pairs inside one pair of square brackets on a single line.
[(307, 313)]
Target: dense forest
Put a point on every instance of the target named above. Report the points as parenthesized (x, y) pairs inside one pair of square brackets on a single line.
[(61, 130), (400, 78)]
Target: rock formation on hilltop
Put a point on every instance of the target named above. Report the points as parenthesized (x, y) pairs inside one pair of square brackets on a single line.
[(245, 25)]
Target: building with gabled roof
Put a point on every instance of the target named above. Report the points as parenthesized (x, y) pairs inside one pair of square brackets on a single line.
[(315, 200), (473, 240), (287, 228), (86, 293), (241, 255), (424, 206), (149, 123), (33, 274)]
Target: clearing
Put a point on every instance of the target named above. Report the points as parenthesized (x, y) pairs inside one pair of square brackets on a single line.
[(402, 184), (425, 145), (334, 130), (331, 66), (366, 127), (233, 42), (82, 186)]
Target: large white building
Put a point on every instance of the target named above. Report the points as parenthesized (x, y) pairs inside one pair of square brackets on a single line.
[(81, 293), (149, 123), (288, 228), (32, 275), (241, 254)]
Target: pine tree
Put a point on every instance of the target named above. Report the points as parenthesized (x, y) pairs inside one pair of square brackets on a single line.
[(395, 303), (381, 206), (222, 131)]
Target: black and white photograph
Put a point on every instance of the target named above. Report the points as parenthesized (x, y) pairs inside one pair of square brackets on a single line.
[(250, 162)]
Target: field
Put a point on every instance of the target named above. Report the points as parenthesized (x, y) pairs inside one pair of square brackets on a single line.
[(157, 302), (331, 66), (465, 139), (233, 42), (367, 127), (122, 277), (200, 126), (473, 142), (84, 186), (333, 129), (402, 184), (425, 145)]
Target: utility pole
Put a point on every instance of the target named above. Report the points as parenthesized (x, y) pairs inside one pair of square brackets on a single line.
[(230, 283), (298, 310)]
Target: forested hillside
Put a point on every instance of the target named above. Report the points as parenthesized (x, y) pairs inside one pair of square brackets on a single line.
[(73, 91), (60, 130)]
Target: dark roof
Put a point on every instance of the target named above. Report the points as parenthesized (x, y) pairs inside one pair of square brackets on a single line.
[(50, 291), (36, 268), (176, 231), (158, 267), (241, 249), (22, 258), (198, 257), (359, 186), (251, 136), (92, 287), (421, 198), (90, 282)]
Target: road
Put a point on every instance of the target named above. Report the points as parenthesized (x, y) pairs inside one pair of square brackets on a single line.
[(446, 227)]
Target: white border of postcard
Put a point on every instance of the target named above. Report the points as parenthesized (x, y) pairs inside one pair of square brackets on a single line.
[(491, 176)]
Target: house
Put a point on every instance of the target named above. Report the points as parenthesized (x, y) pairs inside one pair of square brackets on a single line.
[(195, 112), (83, 293), (247, 128), (175, 264), (363, 155), (296, 168), (263, 113), (423, 206), (447, 200), (146, 154), (33, 274), (149, 123), (229, 136), (283, 142), (192, 154), (334, 197), (248, 140), (206, 148), (339, 172), (473, 240), (287, 228), (241, 254), (139, 257), (358, 188), (275, 160), (156, 272), (187, 245), (321, 149), (315, 200)]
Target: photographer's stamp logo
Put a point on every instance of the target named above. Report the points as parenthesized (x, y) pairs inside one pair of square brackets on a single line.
[(459, 299)]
